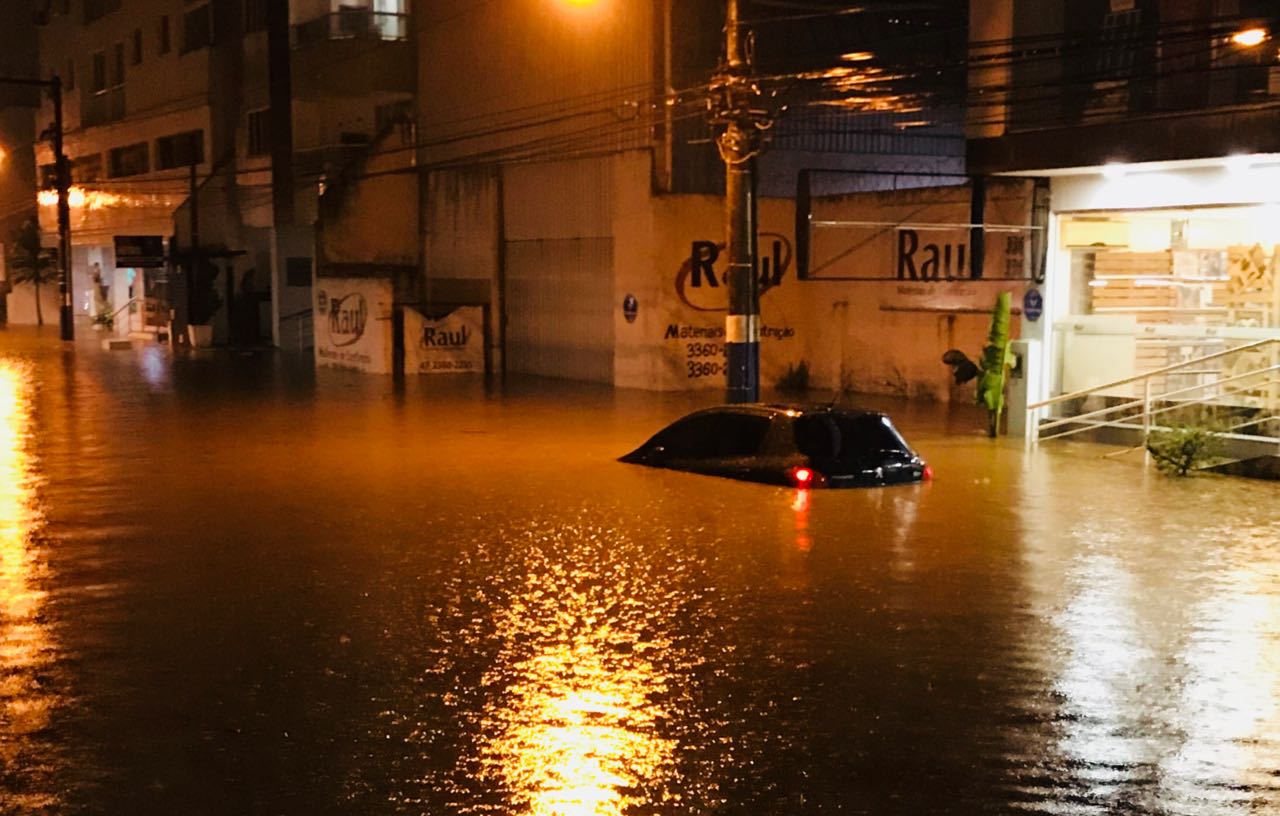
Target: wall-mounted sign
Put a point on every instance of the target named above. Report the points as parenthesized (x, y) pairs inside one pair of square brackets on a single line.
[(352, 321), (139, 251), (454, 344), (1032, 305)]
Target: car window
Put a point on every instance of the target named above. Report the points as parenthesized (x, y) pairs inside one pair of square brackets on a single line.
[(860, 435), (716, 435), (846, 437), (740, 434)]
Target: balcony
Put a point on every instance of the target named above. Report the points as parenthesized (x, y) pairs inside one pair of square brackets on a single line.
[(354, 23)]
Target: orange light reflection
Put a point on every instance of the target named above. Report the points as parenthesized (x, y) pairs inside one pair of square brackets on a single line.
[(25, 646), (577, 735)]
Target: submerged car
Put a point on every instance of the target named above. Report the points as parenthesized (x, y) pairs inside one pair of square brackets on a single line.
[(793, 445)]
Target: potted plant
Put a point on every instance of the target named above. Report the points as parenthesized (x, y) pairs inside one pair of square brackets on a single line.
[(205, 303)]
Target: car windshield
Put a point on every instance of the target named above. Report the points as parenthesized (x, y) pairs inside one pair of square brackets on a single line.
[(844, 437)]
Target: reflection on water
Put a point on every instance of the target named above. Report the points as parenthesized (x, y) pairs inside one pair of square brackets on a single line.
[(1229, 708), (577, 731), (25, 645), (228, 589)]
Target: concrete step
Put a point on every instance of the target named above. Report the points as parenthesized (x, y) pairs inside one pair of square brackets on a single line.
[(1259, 467)]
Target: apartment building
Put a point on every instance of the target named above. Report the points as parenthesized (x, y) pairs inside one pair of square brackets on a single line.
[(210, 128)]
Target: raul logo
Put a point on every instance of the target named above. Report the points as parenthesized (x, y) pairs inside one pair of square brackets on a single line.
[(347, 316), (699, 281)]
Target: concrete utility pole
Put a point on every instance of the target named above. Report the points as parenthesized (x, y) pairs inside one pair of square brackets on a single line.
[(66, 322), (741, 119), (62, 180)]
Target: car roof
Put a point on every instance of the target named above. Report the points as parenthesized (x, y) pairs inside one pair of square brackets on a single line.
[(774, 409)]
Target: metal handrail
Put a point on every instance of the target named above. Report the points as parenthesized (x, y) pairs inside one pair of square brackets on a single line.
[(1140, 413), (1136, 402), (1154, 373), (1145, 416)]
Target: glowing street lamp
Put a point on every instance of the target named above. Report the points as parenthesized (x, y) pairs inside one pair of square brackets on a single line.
[(1250, 37)]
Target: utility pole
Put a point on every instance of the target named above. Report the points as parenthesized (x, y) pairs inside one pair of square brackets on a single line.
[(741, 120), (62, 180), (62, 171)]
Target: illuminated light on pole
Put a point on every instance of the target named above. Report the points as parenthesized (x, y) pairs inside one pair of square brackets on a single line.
[(1250, 37)]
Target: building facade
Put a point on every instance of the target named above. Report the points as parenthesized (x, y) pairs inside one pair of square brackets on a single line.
[(566, 168), (1154, 127), (212, 127), (17, 163)]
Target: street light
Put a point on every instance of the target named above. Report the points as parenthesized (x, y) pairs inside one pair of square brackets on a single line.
[(1250, 37)]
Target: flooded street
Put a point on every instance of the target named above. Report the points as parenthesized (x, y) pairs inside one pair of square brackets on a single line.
[(228, 586)]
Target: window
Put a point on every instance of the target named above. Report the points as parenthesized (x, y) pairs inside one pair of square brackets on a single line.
[(180, 150), (197, 29), (846, 438), (130, 160), (714, 436), (392, 113), (96, 9), (297, 271), (86, 168), (164, 35), (255, 15), (137, 46), (117, 66), (98, 80), (259, 133)]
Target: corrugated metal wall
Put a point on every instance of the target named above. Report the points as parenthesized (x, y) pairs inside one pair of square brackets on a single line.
[(557, 220), (559, 299)]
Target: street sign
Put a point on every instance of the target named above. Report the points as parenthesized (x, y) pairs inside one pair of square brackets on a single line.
[(1032, 305), (139, 251)]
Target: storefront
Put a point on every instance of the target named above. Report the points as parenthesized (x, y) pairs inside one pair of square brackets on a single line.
[(1154, 265)]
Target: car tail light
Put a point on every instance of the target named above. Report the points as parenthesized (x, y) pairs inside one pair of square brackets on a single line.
[(803, 476), (927, 473)]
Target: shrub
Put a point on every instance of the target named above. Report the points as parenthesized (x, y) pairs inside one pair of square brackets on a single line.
[(795, 379), (1183, 448)]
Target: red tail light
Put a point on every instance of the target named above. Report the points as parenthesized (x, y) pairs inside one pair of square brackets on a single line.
[(927, 473), (803, 476)]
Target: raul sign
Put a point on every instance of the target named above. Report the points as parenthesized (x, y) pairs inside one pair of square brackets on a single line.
[(353, 324), (453, 344)]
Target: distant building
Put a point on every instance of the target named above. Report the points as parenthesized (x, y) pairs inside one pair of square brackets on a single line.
[(17, 140), (567, 168), (1153, 129), (164, 95)]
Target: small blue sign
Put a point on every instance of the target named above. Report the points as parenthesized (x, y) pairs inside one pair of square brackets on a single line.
[(1032, 305), (630, 305)]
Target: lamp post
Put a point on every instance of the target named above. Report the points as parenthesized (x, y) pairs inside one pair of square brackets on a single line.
[(62, 180)]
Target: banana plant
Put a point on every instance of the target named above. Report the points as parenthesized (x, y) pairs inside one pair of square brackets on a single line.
[(992, 368)]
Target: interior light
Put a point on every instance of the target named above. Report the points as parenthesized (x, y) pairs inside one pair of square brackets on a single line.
[(1115, 171), (1250, 37), (1239, 163)]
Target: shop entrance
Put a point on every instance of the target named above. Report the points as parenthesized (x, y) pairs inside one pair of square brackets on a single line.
[(1153, 288)]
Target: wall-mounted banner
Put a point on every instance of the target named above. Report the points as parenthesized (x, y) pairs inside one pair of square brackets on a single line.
[(454, 344), (353, 324)]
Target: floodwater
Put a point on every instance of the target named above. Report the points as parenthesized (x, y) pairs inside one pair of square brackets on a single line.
[(228, 586)]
